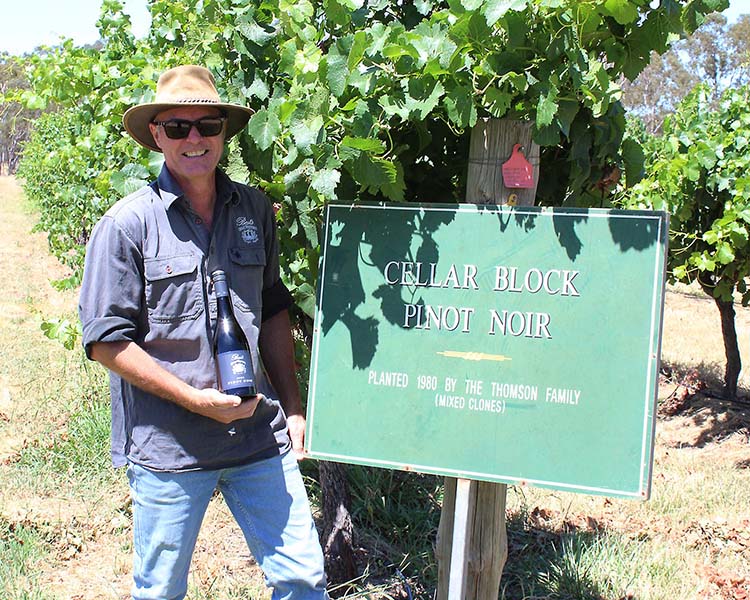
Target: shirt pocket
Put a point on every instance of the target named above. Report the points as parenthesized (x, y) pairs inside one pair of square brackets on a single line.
[(248, 267), (173, 289)]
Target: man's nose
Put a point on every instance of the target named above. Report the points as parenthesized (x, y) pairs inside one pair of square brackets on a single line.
[(194, 135)]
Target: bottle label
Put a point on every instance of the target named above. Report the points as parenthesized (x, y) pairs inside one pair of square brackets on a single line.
[(235, 370)]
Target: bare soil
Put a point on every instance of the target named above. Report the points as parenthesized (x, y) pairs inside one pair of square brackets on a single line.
[(91, 536)]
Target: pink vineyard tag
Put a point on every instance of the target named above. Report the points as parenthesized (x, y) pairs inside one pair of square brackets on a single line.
[(517, 171)]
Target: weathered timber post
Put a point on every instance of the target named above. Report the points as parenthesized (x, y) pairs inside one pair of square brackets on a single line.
[(491, 144), (487, 545)]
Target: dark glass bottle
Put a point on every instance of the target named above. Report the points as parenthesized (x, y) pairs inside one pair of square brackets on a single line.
[(234, 363)]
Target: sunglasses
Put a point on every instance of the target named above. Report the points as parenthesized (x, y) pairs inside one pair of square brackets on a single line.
[(178, 129)]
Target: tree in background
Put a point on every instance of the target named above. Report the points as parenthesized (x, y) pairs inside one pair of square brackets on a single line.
[(700, 172), (717, 54), (15, 116)]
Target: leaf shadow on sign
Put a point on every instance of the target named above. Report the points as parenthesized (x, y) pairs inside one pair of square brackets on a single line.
[(388, 240), (640, 235), (526, 218), (628, 234)]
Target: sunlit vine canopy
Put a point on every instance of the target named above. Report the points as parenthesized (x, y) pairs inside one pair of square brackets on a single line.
[(355, 100), (700, 171)]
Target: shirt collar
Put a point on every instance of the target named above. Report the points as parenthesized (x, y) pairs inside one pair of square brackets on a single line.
[(170, 190)]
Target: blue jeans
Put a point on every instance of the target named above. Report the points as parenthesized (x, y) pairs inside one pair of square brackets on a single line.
[(267, 498)]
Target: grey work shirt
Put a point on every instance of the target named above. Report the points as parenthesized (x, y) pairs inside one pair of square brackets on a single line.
[(147, 280)]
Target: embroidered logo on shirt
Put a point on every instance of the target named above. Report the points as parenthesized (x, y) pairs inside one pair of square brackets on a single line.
[(247, 229)]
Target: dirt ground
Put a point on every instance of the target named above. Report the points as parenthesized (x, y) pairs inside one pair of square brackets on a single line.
[(91, 536)]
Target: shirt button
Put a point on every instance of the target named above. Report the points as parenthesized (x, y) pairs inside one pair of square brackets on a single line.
[(198, 220), (168, 270)]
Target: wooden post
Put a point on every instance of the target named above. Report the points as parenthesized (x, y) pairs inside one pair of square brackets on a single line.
[(487, 543), (490, 146)]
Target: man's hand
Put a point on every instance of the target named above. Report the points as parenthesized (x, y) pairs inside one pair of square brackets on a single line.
[(296, 424), (221, 407)]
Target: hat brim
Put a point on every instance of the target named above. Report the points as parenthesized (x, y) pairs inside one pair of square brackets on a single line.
[(137, 118)]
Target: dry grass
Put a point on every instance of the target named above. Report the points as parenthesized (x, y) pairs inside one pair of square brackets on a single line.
[(692, 335), (26, 296)]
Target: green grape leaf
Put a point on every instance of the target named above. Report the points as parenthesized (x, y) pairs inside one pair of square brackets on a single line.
[(264, 127)]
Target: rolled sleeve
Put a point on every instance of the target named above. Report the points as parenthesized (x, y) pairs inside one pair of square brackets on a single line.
[(275, 299), (110, 302)]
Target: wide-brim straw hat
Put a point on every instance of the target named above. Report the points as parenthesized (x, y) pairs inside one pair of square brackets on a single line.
[(186, 85)]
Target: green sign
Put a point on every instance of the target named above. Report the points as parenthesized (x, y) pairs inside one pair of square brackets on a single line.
[(516, 345)]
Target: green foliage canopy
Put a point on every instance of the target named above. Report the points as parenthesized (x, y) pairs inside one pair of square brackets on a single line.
[(355, 100), (700, 172)]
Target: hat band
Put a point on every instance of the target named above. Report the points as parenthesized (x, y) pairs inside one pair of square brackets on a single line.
[(189, 101)]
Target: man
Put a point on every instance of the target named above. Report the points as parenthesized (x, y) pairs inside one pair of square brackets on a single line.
[(148, 313)]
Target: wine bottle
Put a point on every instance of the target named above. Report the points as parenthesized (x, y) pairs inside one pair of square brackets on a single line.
[(234, 363)]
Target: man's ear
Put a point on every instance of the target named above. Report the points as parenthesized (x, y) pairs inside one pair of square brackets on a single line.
[(155, 133)]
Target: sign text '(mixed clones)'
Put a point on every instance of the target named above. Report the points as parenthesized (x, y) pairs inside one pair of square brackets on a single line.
[(553, 282), (474, 394)]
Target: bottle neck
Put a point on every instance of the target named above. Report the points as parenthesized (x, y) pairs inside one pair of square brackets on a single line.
[(221, 289), (223, 306), (223, 303)]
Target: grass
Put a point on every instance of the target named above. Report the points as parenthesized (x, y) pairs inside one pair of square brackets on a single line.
[(397, 514), (547, 560), (79, 453), (72, 420), (21, 550), (226, 587)]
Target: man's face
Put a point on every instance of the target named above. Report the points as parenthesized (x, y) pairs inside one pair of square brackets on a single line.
[(194, 157)]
